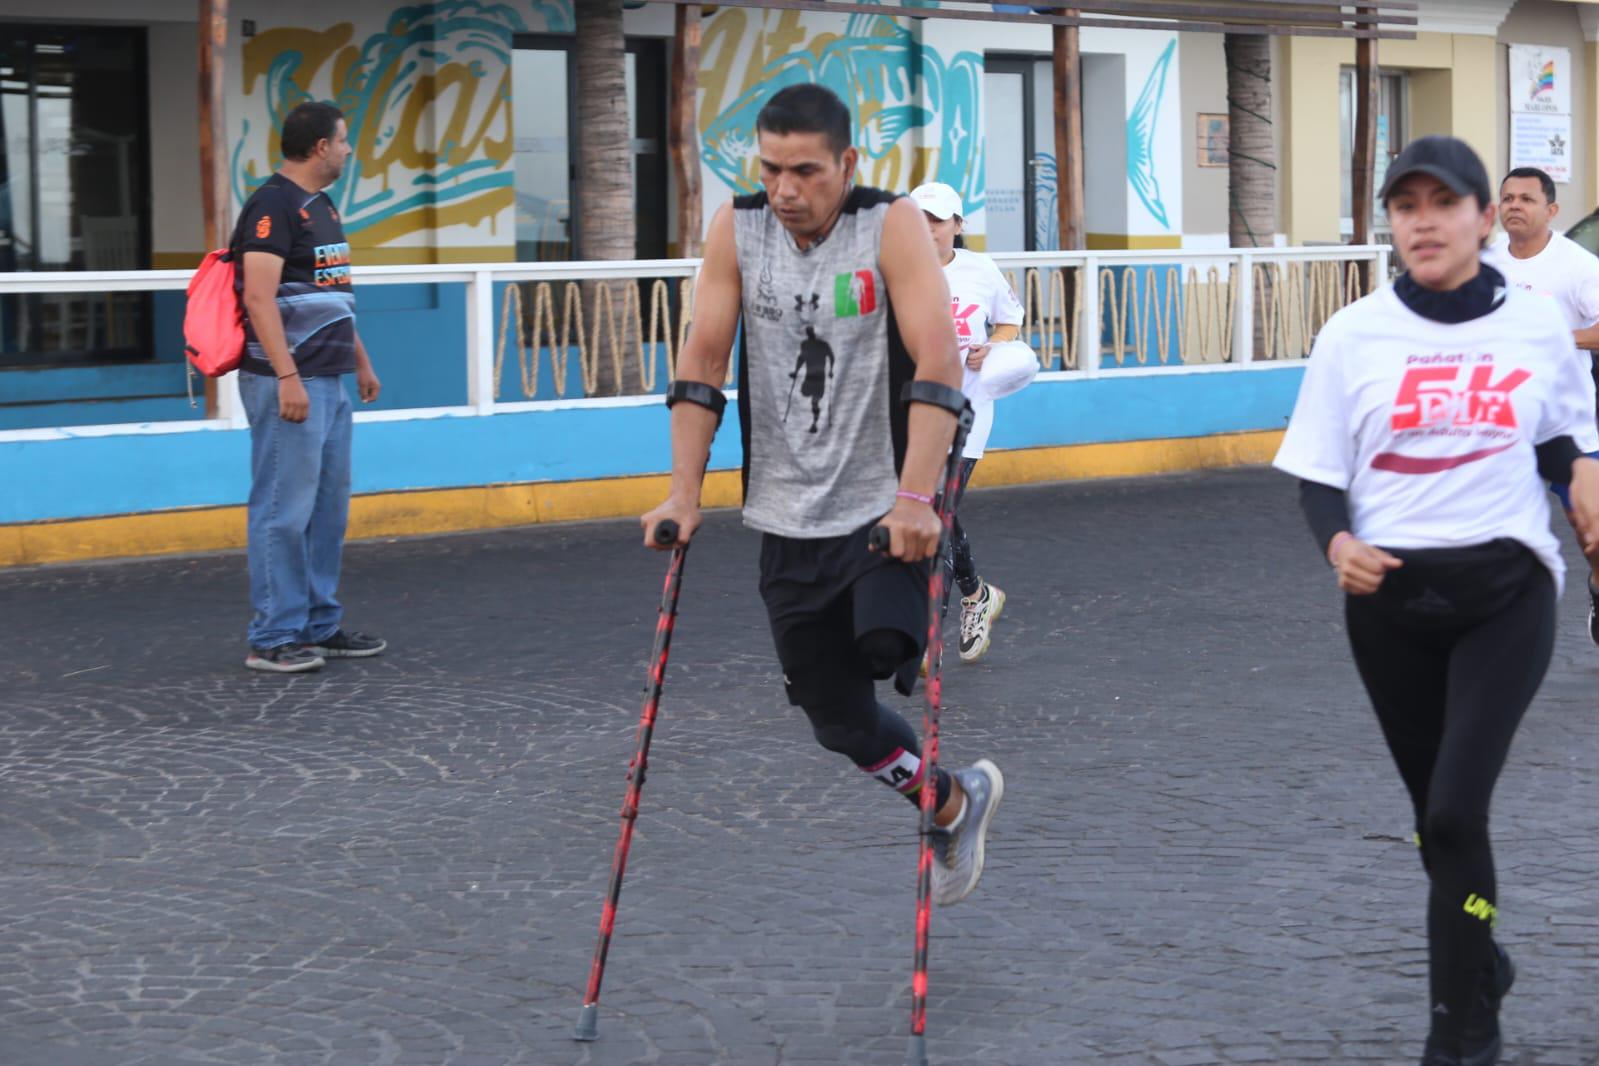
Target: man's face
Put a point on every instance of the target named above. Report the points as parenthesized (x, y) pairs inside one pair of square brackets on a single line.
[(805, 182), (335, 152), (1523, 210)]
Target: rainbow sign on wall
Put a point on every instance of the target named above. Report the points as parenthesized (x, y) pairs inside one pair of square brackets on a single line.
[(1540, 79), (1544, 85)]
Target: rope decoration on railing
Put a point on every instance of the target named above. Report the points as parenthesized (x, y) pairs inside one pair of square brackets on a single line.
[(1045, 317), (1293, 301), (1150, 314), (615, 325)]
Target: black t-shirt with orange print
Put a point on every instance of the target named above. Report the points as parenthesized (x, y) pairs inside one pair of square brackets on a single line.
[(314, 296)]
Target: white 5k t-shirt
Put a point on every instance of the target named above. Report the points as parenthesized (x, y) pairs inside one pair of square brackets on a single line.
[(1567, 273), (980, 298), (1430, 427)]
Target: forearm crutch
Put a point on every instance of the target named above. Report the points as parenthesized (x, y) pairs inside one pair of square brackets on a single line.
[(588, 1020), (916, 1055)]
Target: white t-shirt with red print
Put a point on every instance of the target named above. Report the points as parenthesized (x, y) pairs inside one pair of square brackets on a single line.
[(1568, 274), (980, 299), (1430, 427)]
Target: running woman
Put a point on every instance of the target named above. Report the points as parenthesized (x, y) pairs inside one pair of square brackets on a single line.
[(833, 291), (1429, 412), (980, 297), (1531, 256)]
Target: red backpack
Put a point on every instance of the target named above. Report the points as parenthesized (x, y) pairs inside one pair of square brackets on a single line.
[(213, 323)]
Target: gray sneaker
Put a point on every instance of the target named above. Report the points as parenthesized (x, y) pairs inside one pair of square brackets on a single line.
[(284, 659), (958, 856)]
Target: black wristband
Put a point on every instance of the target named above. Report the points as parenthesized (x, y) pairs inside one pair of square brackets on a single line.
[(697, 392), (290, 374), (936, 395)]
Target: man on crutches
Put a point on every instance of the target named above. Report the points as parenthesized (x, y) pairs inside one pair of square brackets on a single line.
[(852, 269)]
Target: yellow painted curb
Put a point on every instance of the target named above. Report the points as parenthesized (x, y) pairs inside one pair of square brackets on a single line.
[(400, 514)]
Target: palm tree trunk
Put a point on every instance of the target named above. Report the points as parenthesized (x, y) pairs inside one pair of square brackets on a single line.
[(1251, 158), (604, 183)]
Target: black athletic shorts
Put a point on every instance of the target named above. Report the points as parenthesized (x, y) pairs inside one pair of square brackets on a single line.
[(822, 595)]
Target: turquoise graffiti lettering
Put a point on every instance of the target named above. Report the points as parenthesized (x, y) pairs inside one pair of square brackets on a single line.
[(876, 61), (445, 63)]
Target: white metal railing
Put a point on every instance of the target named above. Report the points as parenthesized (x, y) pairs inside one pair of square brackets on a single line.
[(1226, 307)]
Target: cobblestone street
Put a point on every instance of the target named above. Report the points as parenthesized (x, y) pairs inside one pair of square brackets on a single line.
[(1202, 856)]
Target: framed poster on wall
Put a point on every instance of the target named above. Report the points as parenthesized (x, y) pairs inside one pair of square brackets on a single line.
[(1212, 141)]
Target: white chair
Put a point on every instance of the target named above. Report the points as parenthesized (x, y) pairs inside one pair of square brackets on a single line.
[(109, 243)]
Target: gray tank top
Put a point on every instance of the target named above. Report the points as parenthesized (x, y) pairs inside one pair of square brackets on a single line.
[(821, 364)]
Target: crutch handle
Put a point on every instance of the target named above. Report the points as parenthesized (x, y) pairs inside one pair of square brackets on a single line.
[(666, 532), (879, 539)]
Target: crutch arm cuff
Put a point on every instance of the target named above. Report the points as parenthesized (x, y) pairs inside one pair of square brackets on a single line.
[(936, 395), (697, 392)]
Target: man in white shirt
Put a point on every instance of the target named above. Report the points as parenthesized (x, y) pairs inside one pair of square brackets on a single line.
[(1532, 256)]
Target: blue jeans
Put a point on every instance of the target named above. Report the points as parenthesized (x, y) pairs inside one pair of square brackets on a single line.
[(299, 506)]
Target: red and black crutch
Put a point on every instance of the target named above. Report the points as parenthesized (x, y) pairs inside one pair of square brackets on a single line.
[(916, 1055), (588, 1020)]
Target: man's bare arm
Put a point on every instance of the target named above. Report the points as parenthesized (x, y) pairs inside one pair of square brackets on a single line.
[(263, 272), (920, 298), (718, 293)]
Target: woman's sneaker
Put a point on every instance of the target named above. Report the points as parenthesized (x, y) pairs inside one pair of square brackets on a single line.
[(978, 613), (284, 659), (342, 644), (958, 854)]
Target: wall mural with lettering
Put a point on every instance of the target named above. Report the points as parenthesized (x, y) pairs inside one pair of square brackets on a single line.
[(427, 91), (917, 114), (428, 103)]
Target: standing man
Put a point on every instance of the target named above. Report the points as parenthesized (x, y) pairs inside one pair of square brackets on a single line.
[(300, 341), (1531, 256), (851, 268)]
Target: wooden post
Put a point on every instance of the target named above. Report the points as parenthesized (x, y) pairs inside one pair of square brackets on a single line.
[(682, 131), (1069, 134), (215, 200), (1365, 141)]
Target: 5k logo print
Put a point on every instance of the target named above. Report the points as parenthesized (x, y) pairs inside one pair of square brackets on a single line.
[(1434, 396), (1453, 400)]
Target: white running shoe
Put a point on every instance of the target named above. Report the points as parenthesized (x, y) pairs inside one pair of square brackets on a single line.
[(978, 613), (958, 855)]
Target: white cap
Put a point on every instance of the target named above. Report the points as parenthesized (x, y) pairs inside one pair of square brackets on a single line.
[(938, 200)]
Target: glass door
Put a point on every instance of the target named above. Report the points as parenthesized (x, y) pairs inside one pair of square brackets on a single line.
[(544, 114), (73, 189)]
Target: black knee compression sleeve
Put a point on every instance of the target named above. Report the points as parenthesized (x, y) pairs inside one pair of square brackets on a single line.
[(872, 736)]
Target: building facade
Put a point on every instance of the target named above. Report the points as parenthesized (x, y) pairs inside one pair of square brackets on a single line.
[(462, 114)]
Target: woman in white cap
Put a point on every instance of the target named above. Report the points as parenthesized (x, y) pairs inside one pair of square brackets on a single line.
[(986, 313), (1427, 414)]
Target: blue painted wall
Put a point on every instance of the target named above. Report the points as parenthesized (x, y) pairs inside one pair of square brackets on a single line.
[(416, 334), (85, 476)]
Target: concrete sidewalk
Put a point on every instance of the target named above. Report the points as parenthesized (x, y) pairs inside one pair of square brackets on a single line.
[(1202, 856)]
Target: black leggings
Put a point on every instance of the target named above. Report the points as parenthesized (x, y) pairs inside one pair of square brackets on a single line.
[(1449, 696), (959, 567)]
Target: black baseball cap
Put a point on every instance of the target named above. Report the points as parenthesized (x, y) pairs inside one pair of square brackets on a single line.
[(1449, 159)]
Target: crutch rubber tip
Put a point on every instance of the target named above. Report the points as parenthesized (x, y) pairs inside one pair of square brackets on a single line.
[(879, 539), (916, 1055), (588, 1023), (665, 533)]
